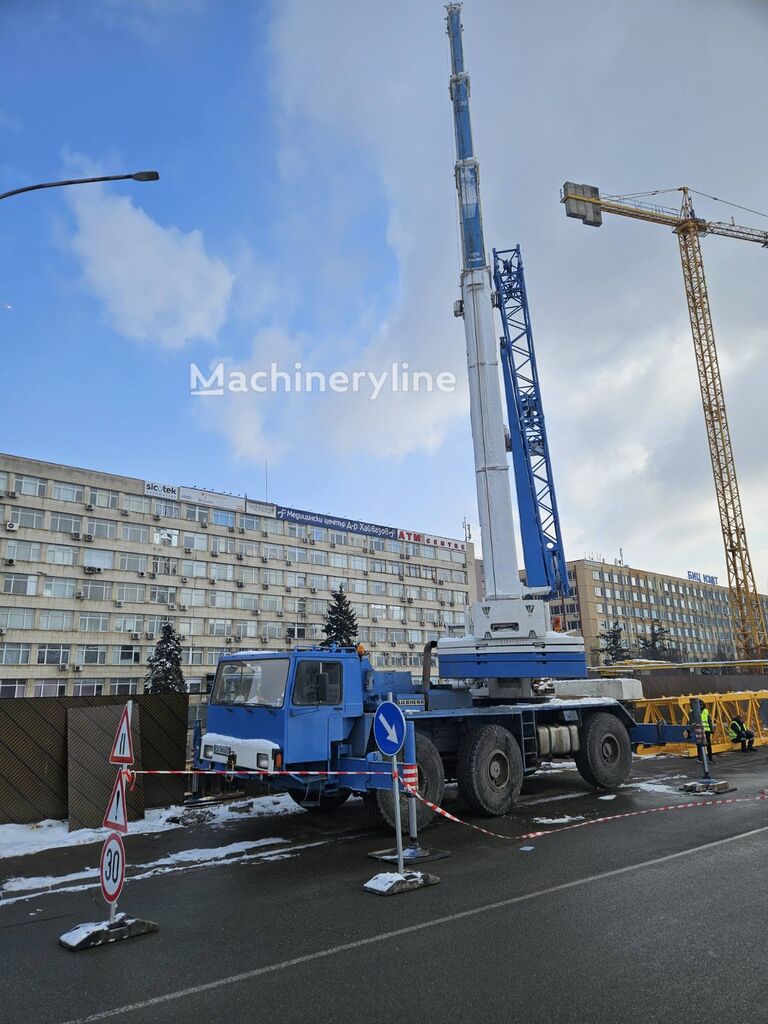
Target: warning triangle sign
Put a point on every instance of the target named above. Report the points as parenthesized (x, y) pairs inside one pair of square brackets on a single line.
[(122, 748), (117, 811)]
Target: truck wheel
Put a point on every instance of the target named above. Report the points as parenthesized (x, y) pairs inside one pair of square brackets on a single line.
[(604, 757), (490, 770), (379, 802), (329, 802)]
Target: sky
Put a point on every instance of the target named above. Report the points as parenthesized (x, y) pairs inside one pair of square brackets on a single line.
[(306, 214)]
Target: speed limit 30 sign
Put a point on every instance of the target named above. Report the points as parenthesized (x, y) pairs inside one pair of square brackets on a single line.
[(112, 867)]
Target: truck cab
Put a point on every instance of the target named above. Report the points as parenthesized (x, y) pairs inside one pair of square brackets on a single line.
[(275, 710)]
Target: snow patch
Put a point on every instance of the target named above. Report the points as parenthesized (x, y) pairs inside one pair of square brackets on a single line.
[(384, 881), (21, 840), (559, 821), (610, 796)]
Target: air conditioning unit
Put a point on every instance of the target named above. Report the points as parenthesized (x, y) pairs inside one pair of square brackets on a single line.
[(172, 606), (409, 600), (156, 517), (2, 631), (240, 558), (423, 622), (313, 590), (279, 615), (264, 560), (228, 639), (240, 584), (13, 494), (288, 561), (264, 533), (11, 526), (212, 581), (442, 602), (373, 643), (125, 512), (79, 595), (75, 535), (182, 636), (464, 565), (411, 646), (365, 572), (88, 569), (265, 586), (97, 569), (407, 558), (204, 524), (333, 543), (78, 668), (264, 639), (184, 579), (62, 666), (311, 540), (141, 573), (401, 576), (182, 607), (374, 619), (241, 530), (151, 636), (118, 604), (403, 621), (89, 507), (10, 561), (231, 529), (402, 555), (451, 603), (135, 636), (288, 590), (305, 540), (215, 553), (153, 575), (187, 551), (365, 549), (254, 611)]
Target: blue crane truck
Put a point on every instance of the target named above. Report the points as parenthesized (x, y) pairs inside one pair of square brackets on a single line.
[(311, 709)]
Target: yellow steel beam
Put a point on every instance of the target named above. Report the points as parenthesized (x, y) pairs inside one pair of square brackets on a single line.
[(723, 707)]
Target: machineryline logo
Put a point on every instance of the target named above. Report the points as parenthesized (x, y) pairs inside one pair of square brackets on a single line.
[(399, 379)]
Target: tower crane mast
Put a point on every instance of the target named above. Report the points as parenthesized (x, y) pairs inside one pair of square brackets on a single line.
[(585, 203)]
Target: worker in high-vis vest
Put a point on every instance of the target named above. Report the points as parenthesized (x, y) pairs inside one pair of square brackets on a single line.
[(708, 726), (739, 733)]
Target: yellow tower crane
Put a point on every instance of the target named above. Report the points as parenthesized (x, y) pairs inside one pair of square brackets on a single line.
[(585, 203)]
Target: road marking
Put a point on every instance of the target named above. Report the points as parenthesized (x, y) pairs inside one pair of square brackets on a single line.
[(411, 929)]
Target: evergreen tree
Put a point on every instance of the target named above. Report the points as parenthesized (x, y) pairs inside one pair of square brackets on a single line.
[(165, 674), (655, 646), (340, 621), (612, 643)]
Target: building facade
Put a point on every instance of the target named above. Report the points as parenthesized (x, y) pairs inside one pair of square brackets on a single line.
[(694, 611), (92, 565)]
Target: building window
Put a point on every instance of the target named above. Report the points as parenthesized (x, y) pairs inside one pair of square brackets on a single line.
[(91, 654), (65, 522), (162, 595), (128, 623), (90, 689), (17, 618), (132, 563), (104, 529), (101, 498), (196, 513), (14, 654), (15, 583), (131, 593), (13, 688), (31, 518), (124, 686), (126, 655), (67, 492), (58, 554), (55, 620), (134, 533), (101, 591), (249, 522), (222, 518), (165, 537), (53, 654), (94, 622), (99, 559), (52, 688), (136, 503), (22, 551), (33, 486), (195, 541), (170, 509)]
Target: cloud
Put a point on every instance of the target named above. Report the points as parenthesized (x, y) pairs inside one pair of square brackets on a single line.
[(156, 283)]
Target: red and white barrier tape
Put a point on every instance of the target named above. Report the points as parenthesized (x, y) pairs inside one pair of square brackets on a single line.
[(763, 795)]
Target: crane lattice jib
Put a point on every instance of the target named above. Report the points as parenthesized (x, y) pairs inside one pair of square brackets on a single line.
[(747, 611), (543, 551)]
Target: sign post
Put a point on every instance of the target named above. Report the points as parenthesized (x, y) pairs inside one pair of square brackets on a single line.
[(389, 731), (112, 863)]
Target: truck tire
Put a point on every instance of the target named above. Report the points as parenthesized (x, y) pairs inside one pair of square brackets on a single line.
[(379, 803), (604, 757), (490, 770), (329, 802)]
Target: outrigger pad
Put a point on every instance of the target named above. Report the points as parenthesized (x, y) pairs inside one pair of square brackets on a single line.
[(100, 933), (391, 883)]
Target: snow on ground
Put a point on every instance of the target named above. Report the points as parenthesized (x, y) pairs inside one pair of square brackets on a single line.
[(565, 820), (652, 787), (20, 840)]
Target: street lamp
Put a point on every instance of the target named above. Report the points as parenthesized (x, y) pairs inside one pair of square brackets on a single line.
[(137, 176)]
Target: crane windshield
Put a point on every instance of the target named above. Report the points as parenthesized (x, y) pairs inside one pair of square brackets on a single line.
[(255, 682)]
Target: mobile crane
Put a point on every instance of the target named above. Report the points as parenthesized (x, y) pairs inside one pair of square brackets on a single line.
[(312, 709)]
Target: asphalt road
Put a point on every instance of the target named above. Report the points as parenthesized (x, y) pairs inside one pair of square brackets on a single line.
[(621, 920)]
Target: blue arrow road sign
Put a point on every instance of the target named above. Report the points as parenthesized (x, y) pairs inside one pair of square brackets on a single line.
[(389, 728)]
